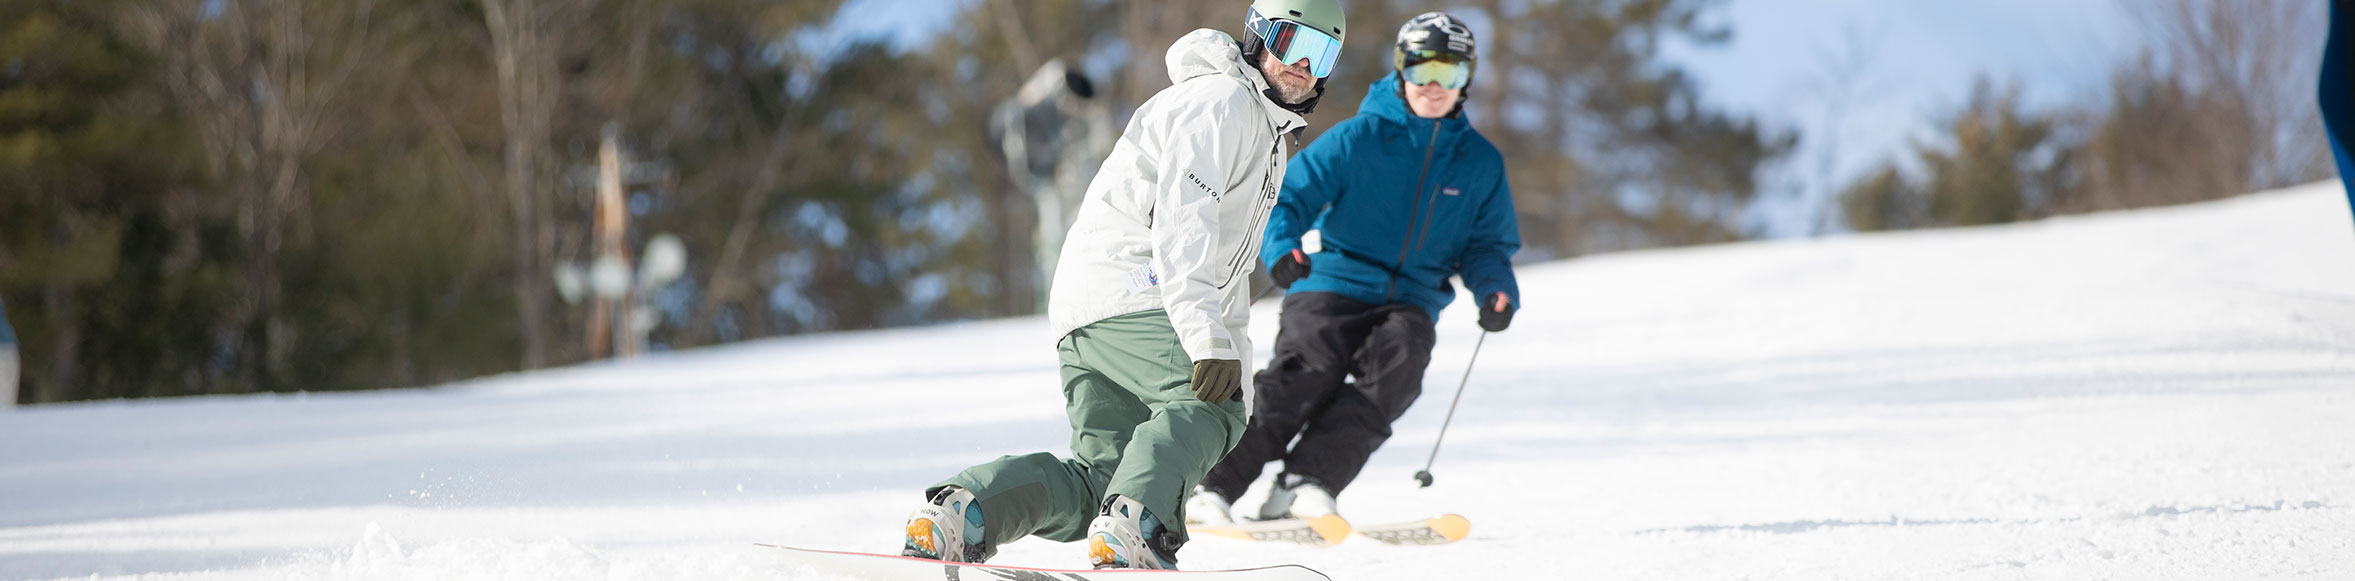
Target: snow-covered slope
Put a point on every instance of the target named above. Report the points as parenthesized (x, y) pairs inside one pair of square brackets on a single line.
[(2154, 394)]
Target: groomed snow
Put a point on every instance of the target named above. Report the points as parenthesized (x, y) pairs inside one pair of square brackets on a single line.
[(2156, 394)]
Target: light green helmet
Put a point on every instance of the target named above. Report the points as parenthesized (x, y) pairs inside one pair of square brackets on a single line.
[(1323, 15), (1296, 30)]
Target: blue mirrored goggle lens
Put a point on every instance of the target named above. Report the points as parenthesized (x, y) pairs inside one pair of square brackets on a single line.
[(1452, 75), (1291, 42)]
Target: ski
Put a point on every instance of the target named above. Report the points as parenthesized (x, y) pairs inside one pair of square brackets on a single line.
[(1322, 530), (882, 567), (1327, 530), (1439, 530)]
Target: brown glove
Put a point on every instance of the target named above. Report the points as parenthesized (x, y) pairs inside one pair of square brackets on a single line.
[(1217, 380)]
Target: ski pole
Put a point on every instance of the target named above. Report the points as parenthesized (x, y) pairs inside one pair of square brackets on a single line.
[(1424, 476)]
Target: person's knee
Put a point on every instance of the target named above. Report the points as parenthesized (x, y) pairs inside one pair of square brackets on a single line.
[(1412, 335), (1225, 420), (1301, 370)]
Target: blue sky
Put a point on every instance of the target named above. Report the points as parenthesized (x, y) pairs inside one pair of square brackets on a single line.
[(1919, 61), (910, 23), (1923, 56)]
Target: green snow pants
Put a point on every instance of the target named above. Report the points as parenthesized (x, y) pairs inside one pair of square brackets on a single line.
[(1136, 430)]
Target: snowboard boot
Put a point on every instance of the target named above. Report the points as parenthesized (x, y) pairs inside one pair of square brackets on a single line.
[(1126, 536), (1208, 508), (1293, 496), (948, 528)]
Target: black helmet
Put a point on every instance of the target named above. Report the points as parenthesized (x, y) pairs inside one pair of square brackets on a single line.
[(1436, 36)]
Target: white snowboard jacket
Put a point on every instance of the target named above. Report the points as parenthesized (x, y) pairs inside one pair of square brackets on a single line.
[(1173, 219)]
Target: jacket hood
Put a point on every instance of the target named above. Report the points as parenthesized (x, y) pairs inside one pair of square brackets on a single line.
[(1210, 52), (1205, 52)]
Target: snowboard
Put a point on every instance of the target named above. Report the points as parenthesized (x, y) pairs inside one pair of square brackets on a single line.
[(881, 567)]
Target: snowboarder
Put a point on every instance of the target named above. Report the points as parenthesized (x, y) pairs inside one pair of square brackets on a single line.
[(1404, 195), (1150, 302)]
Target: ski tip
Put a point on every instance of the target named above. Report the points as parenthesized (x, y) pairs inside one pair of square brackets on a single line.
[(1331, 527), (1453, 526), (1232, 532)]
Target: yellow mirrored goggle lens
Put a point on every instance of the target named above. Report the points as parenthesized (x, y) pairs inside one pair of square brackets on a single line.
[(1448, 74)]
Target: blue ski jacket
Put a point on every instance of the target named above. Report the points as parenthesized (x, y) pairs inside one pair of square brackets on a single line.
[(1400, 204)]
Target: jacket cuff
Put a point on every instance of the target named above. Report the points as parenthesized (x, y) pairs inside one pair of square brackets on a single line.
[(1213, 345), (1271, 251)]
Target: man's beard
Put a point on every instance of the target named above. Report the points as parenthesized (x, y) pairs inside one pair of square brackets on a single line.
[(1293, 95)]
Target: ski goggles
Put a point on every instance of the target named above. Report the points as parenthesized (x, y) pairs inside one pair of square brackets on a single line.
[(1429, 66), (1291, 42)]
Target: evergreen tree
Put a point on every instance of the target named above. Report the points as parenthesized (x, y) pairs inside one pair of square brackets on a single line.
[(1996, 162)]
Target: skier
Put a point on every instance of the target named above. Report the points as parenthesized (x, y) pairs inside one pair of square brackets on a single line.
[(1405, 194), (2337, 90), (1150, 301)]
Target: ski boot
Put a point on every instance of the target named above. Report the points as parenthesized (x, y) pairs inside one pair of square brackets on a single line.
[(947, 528), (1208, 508), (1293, 496)]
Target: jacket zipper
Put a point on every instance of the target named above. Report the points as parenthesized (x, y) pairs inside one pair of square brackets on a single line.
[(1409, 238)]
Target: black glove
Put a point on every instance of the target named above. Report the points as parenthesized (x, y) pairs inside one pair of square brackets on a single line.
[(1217, 380), (1289, 269), (1496, 313)]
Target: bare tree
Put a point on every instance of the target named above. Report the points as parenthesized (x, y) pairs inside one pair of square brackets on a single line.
[(2218, 104), (1017, 36), (1150, 27), (770, 162), (2256, 58), (527, 39), (263, 80), (2157, 141), (1839, 81)]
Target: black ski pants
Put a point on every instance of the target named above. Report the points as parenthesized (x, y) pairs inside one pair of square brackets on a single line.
[(1322, 342)]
